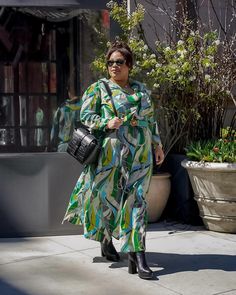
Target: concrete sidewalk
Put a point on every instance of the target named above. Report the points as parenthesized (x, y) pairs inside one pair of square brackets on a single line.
[(186, 260)]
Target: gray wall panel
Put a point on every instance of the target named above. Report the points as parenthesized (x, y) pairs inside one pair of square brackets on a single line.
[(34, 193)]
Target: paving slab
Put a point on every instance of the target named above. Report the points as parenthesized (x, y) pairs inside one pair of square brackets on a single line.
[(13, 250), (75, 273), (186, 260), (195, 262)]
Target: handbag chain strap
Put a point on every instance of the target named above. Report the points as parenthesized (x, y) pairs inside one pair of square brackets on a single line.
[(108, 89)]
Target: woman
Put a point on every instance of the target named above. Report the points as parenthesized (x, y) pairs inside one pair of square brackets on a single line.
[(109, 199)]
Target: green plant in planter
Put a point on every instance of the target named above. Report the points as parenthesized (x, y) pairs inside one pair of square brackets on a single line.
[(220, 150), (212, 174)]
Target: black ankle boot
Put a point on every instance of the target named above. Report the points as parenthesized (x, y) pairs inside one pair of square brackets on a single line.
[(137, 261), (108, 250)]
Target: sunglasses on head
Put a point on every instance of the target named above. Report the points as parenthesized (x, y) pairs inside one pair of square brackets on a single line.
[(118, 62)]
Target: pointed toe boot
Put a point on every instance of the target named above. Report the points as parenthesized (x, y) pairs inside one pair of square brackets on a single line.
[(108, 250), (137, 264)]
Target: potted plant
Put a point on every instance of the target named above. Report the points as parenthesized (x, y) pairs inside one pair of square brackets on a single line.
[(212, 171)]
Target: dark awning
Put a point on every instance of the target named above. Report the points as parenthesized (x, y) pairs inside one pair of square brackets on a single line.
[(52, 14), (82, 4)]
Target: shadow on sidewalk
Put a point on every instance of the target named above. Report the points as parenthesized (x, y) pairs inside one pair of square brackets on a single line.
[(173, 263), (7, 289), (170, 263)]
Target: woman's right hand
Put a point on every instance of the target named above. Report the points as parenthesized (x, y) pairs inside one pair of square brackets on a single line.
[(114, 123)]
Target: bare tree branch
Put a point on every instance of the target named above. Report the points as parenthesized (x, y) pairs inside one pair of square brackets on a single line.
[(217, 17)]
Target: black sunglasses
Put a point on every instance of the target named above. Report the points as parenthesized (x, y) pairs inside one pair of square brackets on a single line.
[(118, 62)]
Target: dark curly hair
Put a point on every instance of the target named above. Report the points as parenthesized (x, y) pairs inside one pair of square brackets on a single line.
[(124, 49)]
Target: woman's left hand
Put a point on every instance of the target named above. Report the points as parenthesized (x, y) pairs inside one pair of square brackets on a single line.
[(159, 154)]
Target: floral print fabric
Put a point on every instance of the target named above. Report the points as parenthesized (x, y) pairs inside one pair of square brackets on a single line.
[(109, 198)]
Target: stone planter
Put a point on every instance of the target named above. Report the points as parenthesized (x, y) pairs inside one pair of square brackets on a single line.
[(214, 186), (157, 196)]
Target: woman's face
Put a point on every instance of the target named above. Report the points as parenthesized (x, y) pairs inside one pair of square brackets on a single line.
[(118, 71)]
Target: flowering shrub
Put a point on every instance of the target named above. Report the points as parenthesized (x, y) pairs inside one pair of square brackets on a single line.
[(220, 150)]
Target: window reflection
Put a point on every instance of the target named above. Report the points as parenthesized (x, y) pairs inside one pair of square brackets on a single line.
[(6, 111), (37, 110), (52, 45), (53, 78), (22, 77), (54, 106), (23, 111), (6, 78), (38, 77), (23, 137), (38, 137), (35, 73), (6, 136)]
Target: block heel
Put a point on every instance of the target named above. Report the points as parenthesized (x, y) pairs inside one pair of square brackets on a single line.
[(137, 264), (132, 267)]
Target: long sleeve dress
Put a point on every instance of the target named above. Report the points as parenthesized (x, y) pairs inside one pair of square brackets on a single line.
[(109, 198)]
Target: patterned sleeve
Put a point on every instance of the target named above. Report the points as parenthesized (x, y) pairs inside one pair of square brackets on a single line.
[(156, 139), (90, 114), (153, 125)]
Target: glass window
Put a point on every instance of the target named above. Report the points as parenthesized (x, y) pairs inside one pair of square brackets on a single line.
[(6, 111), (22, 77), (38, 106), (37, 77), (6, 78), (23, 137), (7, 136), (45, 65), (38, 137)]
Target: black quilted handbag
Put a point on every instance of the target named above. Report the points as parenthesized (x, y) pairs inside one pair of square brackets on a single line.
[(84, 146)]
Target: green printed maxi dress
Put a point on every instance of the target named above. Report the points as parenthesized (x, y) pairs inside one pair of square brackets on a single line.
[(109, 198)]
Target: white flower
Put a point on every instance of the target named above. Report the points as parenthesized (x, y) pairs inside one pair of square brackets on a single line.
[(180, 42), (137, 62), (110, 4), (192, 78), (182, 51), (153, 55), (144, 56), (156, 85), (145, 47), (148, 73), (192, 33), (207, 77), (152, 71), (158, 65), (167, 48), (217, 42)]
